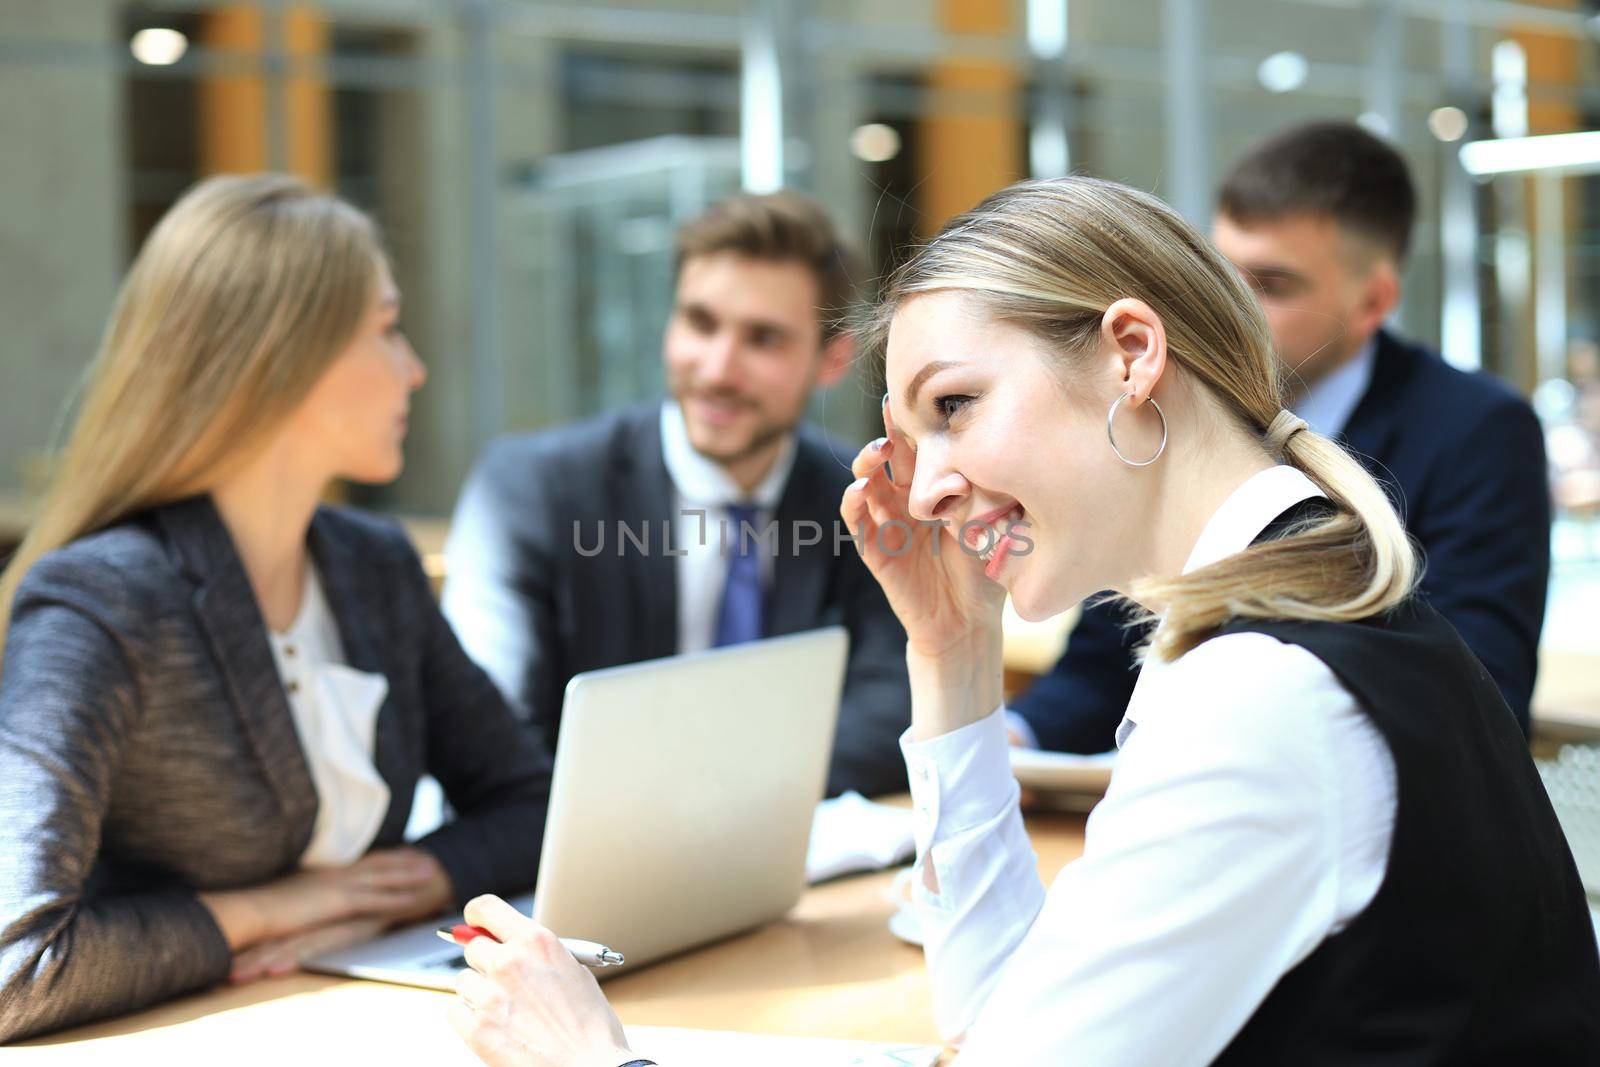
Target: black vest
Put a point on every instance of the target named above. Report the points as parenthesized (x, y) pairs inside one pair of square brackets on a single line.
[(1478, 948)]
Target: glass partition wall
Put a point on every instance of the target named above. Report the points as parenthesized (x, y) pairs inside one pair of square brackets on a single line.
[(529, 161)]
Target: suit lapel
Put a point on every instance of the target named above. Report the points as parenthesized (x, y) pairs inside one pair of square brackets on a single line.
[(232, 625), (643, 498), (1375, 421), (799, 582), (358, 602)]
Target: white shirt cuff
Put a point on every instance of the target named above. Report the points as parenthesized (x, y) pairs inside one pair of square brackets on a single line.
[(959, 780)]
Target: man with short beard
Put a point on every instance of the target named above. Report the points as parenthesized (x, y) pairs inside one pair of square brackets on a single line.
[(701, 520)]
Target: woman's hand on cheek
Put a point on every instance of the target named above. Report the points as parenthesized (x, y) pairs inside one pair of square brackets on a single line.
[(526, 1001), (937, 588)]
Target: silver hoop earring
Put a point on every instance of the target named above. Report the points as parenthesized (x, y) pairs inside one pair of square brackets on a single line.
[(1111, 417)]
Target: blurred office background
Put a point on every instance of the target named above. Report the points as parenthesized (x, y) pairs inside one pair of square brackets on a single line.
[(530, 159)]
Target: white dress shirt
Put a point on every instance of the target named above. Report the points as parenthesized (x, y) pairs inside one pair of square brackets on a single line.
[(1328, 405), (702, 491), (1248, 818), (335, 709)]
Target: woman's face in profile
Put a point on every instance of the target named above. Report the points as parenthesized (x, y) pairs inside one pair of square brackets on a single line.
[(1000, 439), (356, 413)]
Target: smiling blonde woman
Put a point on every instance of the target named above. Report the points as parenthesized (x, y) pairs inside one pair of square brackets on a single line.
[(1324, 841)]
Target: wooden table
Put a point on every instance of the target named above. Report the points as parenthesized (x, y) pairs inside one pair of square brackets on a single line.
[(829, 969), (1566, 703)]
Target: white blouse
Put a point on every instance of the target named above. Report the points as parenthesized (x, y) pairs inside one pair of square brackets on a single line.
[(335, 710), (702, 536), (1248, 818)]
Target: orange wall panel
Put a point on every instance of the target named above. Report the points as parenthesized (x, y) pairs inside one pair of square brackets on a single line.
[(966, 153)]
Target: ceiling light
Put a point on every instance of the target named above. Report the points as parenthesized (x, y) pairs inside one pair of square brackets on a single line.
[(1448, 123), (1375, 123), (875, 142), (1283, 72), (1546, 152), (158, 47)]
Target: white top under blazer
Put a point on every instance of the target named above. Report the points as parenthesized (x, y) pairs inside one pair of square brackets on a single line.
[(335, 710)]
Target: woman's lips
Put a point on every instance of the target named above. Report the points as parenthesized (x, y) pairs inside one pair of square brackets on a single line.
[(979, 534), (997, 561), (982, 536)]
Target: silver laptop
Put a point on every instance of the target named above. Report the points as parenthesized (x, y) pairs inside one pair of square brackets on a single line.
[(679, 811)]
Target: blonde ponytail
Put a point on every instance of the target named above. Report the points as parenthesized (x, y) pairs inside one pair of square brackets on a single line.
[(1051, 256), (1352, 564)]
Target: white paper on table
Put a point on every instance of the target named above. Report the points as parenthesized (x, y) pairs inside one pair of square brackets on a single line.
[(851, 833), (673, 1047)]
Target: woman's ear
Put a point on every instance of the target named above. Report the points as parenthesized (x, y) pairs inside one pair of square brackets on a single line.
[(1135, 343)]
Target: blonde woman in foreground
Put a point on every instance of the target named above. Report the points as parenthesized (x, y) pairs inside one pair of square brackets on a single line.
[(218, 696), (1324, 842)]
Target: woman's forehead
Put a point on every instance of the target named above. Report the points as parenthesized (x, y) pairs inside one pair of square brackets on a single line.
[(927, 327)]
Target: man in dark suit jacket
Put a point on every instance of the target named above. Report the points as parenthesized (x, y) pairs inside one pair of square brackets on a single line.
[(1318, 218), (700, 521)]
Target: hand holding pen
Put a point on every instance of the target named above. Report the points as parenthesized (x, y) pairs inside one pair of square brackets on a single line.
[(588, 953), (525, 1000)]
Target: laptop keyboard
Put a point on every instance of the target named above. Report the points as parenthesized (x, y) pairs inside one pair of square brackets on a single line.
[(1572, 779)]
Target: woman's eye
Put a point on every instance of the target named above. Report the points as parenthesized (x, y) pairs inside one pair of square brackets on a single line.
[(948, 406)]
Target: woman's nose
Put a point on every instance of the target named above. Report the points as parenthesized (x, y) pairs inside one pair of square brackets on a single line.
[(935, 492)]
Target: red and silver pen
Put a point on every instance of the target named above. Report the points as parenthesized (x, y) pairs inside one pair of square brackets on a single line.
[(588, 953)]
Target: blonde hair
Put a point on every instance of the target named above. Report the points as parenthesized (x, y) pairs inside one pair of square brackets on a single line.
[(1051, 256), (244, 293)]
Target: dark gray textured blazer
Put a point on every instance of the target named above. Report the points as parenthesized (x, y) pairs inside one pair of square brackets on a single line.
[(535, 611), (147, 751)]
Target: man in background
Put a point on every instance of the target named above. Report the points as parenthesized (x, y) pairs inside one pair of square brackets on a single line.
[(757, 325), (1318, 219)]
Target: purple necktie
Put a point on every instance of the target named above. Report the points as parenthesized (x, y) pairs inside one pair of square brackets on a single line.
[(739, 618)]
